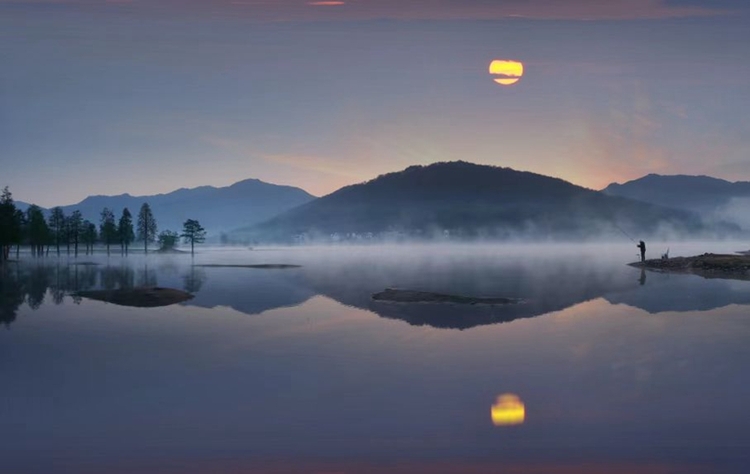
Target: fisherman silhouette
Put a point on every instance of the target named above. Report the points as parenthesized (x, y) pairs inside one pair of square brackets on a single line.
[(642, 246)]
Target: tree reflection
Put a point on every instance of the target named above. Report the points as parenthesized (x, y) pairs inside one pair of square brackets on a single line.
[(11, 294), (193, 280), (117, 277), (29, 284), (146, 278), (39, 281)]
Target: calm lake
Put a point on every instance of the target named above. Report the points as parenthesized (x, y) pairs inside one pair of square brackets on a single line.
[(300, 370)]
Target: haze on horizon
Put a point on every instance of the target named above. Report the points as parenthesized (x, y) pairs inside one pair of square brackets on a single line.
[(148, 97)]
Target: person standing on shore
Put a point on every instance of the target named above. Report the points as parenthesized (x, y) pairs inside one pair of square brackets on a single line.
[(642, 246)]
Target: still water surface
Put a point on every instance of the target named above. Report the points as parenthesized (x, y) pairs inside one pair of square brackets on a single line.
[(299, 370)]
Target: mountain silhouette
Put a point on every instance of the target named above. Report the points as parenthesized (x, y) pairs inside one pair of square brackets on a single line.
[(467, 200), (218, 209), (702, 194)]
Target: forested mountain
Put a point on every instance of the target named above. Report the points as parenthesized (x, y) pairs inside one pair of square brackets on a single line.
[(464, 200), (217, 209)]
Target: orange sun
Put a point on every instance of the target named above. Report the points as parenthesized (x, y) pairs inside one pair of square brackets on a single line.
[(507, 72)]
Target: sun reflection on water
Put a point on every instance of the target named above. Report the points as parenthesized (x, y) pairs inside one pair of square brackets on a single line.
[(508, 410)]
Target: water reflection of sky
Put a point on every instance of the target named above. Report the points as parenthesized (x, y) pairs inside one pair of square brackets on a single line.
[(316, 384)]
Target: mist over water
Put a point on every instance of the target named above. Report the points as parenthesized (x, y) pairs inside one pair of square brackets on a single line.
[(298, 369)]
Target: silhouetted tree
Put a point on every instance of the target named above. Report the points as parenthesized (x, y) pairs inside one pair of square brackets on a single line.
[(89, 236), (68, 233), (57, 226), (146, 225), (193, 233), (76, 229), (92, 236), (9, 231), (108, 228), (18, 230), (125, 230), (168, 239), (38, 232)]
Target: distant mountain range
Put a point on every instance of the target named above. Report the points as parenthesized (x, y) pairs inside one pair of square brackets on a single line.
[(714, 199), (466, 200), (218, 209), (453, 200)]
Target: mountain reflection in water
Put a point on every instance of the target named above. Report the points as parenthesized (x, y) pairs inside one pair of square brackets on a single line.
[(549, 286)]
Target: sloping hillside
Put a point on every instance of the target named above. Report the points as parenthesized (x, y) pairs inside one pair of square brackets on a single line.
[(464, 200)]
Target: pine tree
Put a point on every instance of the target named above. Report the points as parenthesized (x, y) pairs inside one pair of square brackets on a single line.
[(193, 233), (9, 224), (38, 231), (125, 230), (76, 229), (146, 226), (88, 236), (17, 233), (57, 226), (108, 228)]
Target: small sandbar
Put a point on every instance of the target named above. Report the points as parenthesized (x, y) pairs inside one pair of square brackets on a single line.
[(708, 265), (393, 295), (141, 297), (266, 266)]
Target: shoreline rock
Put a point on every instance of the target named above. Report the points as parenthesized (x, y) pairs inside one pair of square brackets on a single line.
[(708, 265)]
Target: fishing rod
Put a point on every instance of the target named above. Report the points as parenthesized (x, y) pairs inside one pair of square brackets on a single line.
[(624, 233)]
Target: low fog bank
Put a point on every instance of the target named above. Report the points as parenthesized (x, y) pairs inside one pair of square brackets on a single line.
[(736, 210), (619, 248), (716, 228)]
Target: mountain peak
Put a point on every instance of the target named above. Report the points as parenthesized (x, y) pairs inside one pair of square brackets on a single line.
[(469, 200)]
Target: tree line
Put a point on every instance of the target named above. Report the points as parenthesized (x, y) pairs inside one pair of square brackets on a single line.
[(72, 232)]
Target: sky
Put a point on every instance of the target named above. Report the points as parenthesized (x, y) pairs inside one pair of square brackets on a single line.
[(148, 96)]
